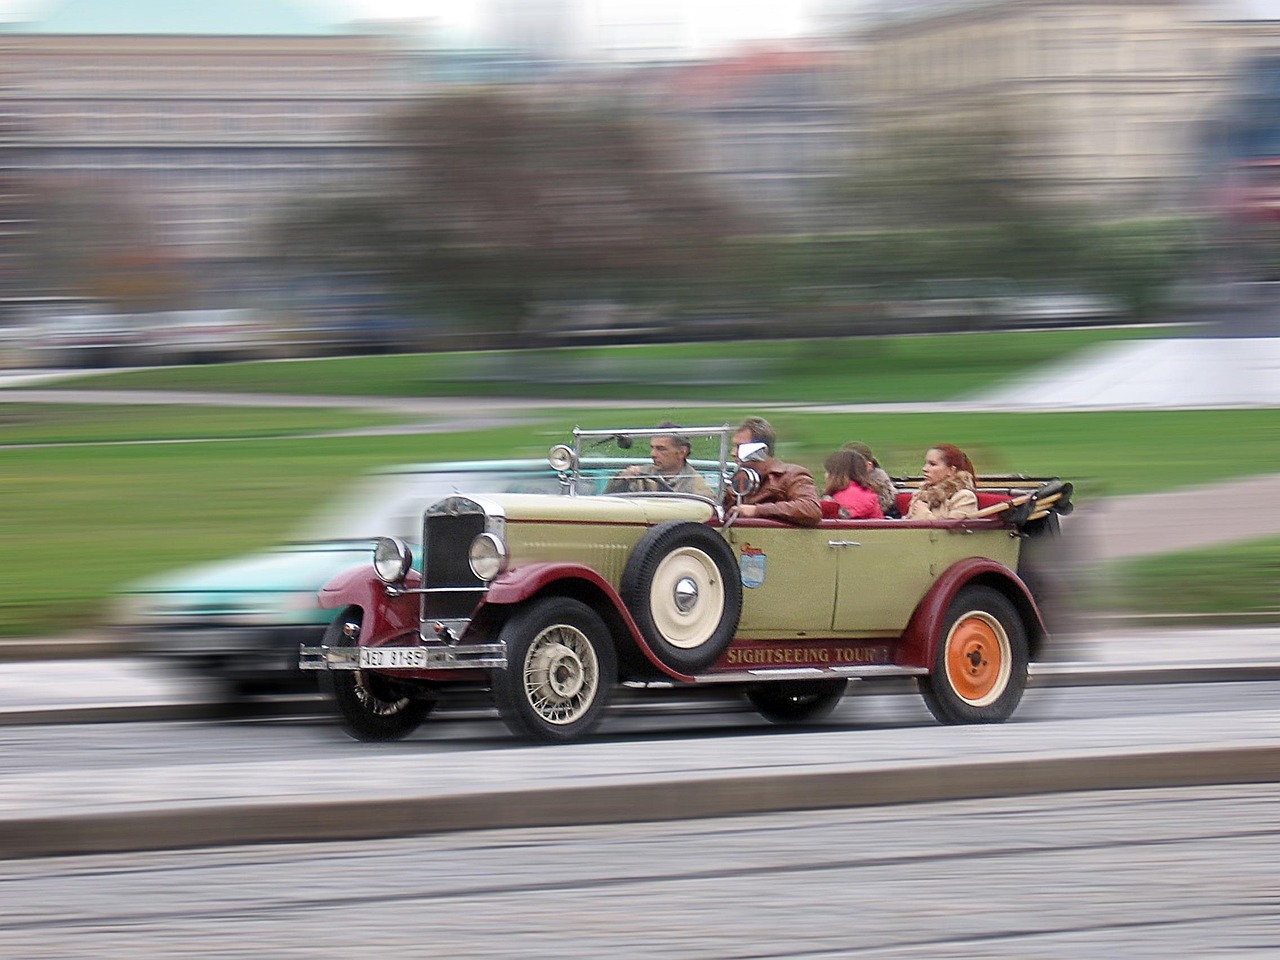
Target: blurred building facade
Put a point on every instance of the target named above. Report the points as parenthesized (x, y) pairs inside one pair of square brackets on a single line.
[(772, 128), (1105, 103), (185, 127)]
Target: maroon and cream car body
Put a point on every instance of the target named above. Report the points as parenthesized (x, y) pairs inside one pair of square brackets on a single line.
[(549, 603)]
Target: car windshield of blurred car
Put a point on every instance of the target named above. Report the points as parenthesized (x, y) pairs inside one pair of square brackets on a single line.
[(390, 504)]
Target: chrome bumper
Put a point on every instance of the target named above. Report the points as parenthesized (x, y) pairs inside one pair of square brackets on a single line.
[(471, 656), (328, 658)]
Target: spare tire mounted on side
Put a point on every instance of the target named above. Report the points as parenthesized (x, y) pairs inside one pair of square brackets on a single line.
[(683, 589)]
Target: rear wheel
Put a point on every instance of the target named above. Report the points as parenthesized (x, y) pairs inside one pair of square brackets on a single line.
[(371, 706), (980, 667), (796, 701), (561, 668)]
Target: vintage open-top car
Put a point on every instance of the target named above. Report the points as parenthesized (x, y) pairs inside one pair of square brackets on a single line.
[(550, 602)]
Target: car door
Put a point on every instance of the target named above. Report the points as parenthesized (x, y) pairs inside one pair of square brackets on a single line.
[(788, 579), (884, 568)]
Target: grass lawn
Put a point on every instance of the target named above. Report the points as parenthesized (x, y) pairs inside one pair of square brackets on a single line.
[(1240, 578), (83, 519), (860, 370), (80, 521), (103, 423)]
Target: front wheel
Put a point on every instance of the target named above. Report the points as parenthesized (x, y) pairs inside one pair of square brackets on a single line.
[(561, 668), (980, 666), (371, 706), (796, 701)]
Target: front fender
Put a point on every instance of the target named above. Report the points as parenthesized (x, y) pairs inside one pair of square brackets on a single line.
[(918, 646), (582, 583), (384, 616), (518, 585)]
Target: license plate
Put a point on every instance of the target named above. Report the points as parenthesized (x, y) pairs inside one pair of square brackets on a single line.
[(375, 657)]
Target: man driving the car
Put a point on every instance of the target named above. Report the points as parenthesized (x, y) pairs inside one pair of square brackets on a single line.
[(670, 469)]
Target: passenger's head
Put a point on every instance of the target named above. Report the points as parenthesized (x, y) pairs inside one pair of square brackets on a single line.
[(946, 460), (857, 446), (845, 467), (669, 451), (753, 430)]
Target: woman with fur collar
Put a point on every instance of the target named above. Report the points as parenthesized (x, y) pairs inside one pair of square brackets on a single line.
[(947, 492)]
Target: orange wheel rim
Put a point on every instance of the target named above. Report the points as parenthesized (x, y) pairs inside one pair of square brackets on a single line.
[(978, 658)]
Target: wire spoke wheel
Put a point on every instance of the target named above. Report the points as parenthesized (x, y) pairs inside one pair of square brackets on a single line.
[(561, 674), (561, 668), (372, 706)]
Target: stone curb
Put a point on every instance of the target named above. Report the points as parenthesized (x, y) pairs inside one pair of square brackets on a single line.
[(190, 826)]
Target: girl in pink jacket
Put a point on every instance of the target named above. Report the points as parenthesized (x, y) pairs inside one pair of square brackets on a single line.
[(848, 484)]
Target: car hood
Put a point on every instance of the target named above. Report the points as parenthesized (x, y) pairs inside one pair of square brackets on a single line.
[(300, 568)]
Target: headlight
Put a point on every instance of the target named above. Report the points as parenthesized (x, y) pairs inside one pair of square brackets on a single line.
[(561, 457), (487, 556), (391, 559)]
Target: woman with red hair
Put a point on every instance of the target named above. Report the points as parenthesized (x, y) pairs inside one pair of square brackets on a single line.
[(948, 489)]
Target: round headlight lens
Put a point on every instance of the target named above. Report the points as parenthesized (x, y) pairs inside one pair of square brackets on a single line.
[(391, 559), (487, 556), (561, 457)]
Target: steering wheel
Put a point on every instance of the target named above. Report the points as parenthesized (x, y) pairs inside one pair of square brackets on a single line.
[(650, 483)]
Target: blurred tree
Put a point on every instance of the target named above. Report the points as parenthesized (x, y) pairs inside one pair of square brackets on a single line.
[(956, 175), (961, 201), (88, 239), (506, 205), (957, 200)]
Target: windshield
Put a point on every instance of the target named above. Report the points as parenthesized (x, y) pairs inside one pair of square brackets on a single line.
[(643, 460)]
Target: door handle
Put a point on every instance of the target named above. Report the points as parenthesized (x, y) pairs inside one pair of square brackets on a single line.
[(843, 543)]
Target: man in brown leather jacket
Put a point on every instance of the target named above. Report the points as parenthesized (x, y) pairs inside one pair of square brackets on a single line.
[(787, 491)]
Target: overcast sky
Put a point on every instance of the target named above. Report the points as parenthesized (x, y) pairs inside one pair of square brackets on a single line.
[(709, 23)]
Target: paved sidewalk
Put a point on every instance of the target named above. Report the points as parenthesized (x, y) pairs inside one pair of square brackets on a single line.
[(384, 793), (1190, 519)]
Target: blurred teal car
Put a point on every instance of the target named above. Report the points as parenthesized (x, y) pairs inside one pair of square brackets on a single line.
[(239, 622)]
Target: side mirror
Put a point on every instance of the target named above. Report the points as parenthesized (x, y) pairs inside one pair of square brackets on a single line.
[(741, 484), (751, 452), (744, 483)]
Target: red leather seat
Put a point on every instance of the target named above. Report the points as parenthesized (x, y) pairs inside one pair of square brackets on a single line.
[(985, 499)]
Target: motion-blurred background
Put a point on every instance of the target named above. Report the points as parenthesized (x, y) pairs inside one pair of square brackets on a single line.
[(278, 178), (1029, 219)]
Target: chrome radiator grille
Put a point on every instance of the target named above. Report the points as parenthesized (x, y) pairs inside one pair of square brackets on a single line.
[(446, 536)]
